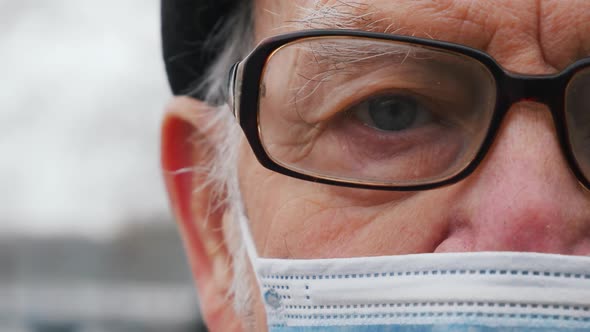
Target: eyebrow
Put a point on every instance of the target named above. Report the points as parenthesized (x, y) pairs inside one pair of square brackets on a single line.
[(332, 61), (344, 15), (335, 55), (427, 20)]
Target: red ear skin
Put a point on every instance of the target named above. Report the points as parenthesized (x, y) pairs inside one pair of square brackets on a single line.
[(183, 147)]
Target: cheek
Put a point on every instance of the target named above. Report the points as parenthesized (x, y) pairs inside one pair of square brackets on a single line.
[(290, 218)]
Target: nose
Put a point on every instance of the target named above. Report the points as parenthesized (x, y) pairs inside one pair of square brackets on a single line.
[(523, 197)]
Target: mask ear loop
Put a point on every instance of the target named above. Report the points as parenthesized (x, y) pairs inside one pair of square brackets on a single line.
[(238, 212), (270, 298), (247, 238)]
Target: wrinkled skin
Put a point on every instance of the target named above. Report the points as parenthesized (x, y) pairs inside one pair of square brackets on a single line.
[(523, 197)]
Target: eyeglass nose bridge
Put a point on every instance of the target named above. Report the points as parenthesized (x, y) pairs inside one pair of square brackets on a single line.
[(545, 89), (549, 90)]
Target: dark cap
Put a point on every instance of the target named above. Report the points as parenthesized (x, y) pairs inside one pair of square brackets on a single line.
[(186, 28)]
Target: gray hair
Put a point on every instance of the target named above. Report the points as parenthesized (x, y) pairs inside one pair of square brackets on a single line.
[(221, 172)]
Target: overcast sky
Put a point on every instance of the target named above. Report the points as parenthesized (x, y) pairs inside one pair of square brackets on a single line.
[(82, 92)]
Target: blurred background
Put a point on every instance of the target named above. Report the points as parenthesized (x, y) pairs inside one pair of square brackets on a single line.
[(87, 242)]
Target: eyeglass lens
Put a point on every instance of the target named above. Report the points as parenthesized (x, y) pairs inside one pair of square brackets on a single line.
[(577, 107), (376, 111)]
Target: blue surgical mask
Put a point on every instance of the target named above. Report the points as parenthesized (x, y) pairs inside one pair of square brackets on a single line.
[(485, 291)]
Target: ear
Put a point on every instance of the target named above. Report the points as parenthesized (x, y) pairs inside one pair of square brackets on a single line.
[(186, 146)]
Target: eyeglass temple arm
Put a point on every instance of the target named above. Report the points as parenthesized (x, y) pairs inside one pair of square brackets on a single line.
[(234, 87)]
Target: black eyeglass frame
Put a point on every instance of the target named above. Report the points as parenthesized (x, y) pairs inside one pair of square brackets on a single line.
[(244, 89)]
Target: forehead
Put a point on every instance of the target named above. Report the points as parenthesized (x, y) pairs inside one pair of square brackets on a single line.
[(548, 34)]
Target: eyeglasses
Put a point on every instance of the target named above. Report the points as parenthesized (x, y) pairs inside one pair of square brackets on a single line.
[(380, 111)]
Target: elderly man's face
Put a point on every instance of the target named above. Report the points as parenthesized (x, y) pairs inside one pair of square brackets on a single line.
[(523, 197)]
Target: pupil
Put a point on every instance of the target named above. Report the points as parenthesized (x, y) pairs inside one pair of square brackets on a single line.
[(392, 114)]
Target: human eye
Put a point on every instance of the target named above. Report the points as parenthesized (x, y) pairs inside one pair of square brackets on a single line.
[(392, 112), (394, 126)]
